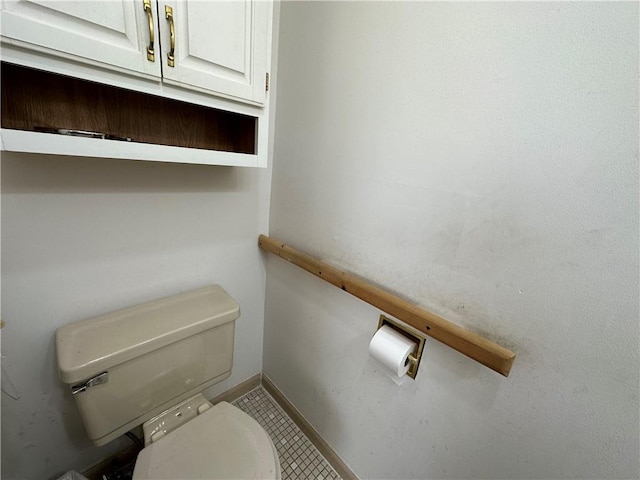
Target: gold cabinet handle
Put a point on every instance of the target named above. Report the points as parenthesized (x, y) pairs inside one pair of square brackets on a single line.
[(150, 52), (168, 13)]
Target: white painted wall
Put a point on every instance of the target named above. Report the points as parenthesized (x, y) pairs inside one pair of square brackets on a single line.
[(82, 237), (481, 159)]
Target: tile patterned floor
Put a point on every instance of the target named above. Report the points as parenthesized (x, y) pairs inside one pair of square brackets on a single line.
[(299, 458)]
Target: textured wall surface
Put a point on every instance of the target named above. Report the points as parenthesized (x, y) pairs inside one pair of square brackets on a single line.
[(82, 237), (482, 160)]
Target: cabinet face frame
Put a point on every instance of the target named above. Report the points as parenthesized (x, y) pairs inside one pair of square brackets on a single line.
[(44, 143), (34, 100)]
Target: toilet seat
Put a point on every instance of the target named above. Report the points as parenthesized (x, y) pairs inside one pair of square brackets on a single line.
[(221, 443)]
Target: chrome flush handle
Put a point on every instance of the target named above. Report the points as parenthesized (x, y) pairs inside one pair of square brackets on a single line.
[(93, 381)]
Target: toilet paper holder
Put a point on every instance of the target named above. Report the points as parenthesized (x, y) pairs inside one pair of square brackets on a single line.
[(412, 334)]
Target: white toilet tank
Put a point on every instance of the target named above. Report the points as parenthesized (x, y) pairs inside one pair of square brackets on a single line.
[(128, 366)]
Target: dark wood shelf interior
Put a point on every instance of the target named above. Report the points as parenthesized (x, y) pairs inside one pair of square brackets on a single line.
[(33, 99)]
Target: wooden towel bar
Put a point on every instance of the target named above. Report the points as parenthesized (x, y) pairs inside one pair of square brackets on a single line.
[(464, 341)]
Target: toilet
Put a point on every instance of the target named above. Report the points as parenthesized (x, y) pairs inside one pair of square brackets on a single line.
[(148, 365)]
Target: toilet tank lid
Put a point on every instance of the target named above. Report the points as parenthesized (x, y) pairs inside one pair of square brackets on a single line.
[(89, 347)]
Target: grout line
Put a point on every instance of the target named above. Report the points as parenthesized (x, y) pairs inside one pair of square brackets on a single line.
[(299, 458), (307, 429)]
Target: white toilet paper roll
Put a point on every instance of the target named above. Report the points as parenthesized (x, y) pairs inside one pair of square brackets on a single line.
[(392, 349)]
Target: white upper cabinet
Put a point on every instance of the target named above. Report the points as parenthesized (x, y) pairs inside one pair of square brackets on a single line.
[(171, 53), (219, 46), (212, 46), (112, 33)]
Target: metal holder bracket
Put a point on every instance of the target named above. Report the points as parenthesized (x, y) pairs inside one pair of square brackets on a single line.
[(412, 334)]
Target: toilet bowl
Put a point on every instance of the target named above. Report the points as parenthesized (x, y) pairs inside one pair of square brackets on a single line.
[(147, 365)]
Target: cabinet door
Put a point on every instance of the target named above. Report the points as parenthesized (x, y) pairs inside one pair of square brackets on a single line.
[(220, 46), (114, 33)]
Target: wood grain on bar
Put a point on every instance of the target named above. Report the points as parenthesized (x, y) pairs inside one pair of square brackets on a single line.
[(464, 341)]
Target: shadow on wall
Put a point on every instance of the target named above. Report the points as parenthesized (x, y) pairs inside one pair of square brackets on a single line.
[(31, 173)]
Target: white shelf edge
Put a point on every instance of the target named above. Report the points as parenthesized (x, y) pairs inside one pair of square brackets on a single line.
[(52, 144)]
